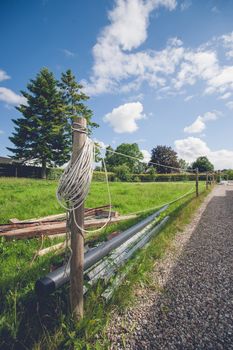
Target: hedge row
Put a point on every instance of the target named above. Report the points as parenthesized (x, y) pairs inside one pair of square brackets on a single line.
[(99, 176)]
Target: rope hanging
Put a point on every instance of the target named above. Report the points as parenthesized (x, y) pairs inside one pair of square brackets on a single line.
[(75, 181)]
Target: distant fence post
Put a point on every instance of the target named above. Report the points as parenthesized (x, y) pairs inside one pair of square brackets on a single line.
[(207, 180), (197, 178)]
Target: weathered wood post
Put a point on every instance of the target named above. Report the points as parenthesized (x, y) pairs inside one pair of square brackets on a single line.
[(207, 180), (197, 178), (77, 239)]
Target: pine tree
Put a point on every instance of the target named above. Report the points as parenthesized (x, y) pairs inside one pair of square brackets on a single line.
[(74, 99), (41, 133)]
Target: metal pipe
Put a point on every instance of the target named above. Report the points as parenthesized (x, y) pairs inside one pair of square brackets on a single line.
[(55, 279), (108, 272), (140, 244), (108, 260)]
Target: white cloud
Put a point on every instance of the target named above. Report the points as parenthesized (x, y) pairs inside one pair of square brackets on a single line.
[(120, 66), (138, 97), (200, 123), (196, 127), (191, 148), (146, 155), (214, 9), (230, 104), (196, 65), (123, 118), (185, 5), (127, 31), (3, 75), (100, 143), (68, 53), (188, 98), (225, 96), (10, 97), (228, 43), (221, 80)]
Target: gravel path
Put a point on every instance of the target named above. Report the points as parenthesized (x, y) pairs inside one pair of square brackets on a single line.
[(192, 307)]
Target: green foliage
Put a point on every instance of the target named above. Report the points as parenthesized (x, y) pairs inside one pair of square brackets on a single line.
[(73, 98), (43, 133), (39, 133), (183, 164), (166, 156), (122, 172), (112, 160), (151, 174), (54, 173), (100, 176), (203, 164), (174, 177), (228, 174)]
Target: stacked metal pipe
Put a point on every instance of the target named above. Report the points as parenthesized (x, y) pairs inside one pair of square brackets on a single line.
[(104, 260)]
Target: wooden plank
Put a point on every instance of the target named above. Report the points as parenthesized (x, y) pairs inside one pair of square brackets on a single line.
[(56, 228), (14, 221), (57, 249), (23, 224), (62, 216), (53, 248)]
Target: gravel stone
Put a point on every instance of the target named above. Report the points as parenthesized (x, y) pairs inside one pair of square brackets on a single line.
[(192, 308)]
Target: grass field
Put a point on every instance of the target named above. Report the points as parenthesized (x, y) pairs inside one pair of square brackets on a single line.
[(27, 324), (27, 198)]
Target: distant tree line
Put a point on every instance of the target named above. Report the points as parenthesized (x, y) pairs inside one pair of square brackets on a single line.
[(43, 132), (164, 160)]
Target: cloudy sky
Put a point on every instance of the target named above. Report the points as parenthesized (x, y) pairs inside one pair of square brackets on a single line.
[(157, 71)]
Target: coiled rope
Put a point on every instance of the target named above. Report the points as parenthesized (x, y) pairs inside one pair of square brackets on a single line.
[(75, 182)]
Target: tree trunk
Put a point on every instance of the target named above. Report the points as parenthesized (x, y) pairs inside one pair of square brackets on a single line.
[(43, 170)]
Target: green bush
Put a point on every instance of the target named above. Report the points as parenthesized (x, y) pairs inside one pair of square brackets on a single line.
[(122, 172), (99, 176), (136, 178), (54, 173)]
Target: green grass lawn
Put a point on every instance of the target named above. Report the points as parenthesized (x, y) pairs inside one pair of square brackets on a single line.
[(27, 324), (29, 198)]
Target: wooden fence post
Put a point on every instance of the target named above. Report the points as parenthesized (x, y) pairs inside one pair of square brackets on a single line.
[(77, 239), (207, 180), (197, 178)]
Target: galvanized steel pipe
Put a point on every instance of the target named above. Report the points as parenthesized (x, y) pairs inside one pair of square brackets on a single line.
[(59, 277)]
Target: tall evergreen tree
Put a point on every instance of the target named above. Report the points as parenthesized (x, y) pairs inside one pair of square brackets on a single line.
[(74, 99), (41, 133)]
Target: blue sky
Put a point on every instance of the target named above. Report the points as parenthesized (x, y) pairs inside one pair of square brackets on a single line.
[(157, 71)]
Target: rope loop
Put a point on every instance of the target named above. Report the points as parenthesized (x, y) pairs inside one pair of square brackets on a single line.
[(75, 182)]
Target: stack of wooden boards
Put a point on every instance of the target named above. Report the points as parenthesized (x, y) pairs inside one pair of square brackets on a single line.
[(56, 224)]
